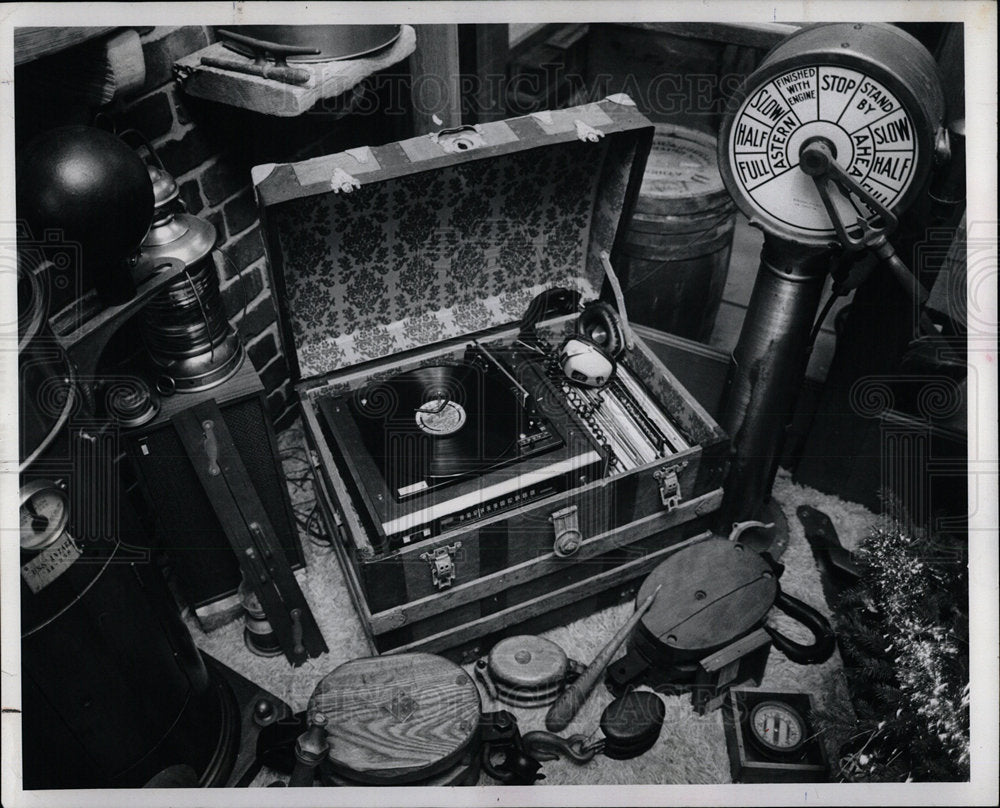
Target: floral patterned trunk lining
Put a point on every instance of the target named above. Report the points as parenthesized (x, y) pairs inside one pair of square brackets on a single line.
[(423, 257)]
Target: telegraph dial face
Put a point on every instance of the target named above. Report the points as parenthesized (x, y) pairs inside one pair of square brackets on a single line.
[(871, 131), (847, 93)]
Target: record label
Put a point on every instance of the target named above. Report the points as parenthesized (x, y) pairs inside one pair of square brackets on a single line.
[(441, 417), (434, 425)]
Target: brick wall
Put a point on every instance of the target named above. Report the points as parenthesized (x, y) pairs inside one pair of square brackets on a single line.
[(210, 149), (214, 184)]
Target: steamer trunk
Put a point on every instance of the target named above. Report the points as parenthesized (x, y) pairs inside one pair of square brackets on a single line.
[(436, 244)]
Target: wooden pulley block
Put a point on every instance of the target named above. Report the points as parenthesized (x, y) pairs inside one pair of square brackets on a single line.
[(711, 617), (399, 719), (715, 590), (526, 671)]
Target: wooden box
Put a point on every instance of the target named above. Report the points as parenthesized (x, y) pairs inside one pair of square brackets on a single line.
[(391, 258), (187, 527), (748, 764)]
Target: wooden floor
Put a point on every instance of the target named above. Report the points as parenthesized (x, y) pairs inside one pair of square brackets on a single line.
[(743, 265)]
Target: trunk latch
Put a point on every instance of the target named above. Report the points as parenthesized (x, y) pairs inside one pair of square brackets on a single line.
[(670, 486), (459, 139), (442, 563), (567, 528)]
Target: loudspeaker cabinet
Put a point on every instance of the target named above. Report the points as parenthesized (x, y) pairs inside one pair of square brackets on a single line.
[(201, 560)]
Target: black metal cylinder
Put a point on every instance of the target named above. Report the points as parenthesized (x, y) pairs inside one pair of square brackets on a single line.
[(767, 369), (113, 694), (114, 691)]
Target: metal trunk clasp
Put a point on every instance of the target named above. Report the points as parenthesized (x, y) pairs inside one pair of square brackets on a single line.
[(586, 132), (343, 183), (442, 563), (567, 528), (670, 485)]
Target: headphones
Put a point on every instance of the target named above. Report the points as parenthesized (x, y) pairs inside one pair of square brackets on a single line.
[(590, 357)]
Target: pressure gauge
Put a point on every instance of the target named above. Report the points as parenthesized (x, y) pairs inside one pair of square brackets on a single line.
[(869, 93), (44, 514), (777, 729)]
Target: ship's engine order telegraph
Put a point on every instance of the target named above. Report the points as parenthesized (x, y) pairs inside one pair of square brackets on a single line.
[(825, 144)]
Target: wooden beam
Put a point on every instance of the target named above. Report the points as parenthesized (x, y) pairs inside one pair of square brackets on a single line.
[(753, 35), (435, 80), (34, 43), (951, 61), (483, 58)]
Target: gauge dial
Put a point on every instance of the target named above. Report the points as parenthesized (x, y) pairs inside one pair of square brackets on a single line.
[(44, 514), (777, 728), (870, 93), (872, 134)]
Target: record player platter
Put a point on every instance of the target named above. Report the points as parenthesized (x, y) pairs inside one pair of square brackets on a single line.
[(429, 426), (431, 448)]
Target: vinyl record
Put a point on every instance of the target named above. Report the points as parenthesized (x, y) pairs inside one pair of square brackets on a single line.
[(439, 423)]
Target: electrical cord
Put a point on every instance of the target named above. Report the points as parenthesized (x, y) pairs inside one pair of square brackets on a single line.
[(824, 312), (305, 511)]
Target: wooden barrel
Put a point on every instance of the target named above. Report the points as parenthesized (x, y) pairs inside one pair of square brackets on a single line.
[(677, 244)]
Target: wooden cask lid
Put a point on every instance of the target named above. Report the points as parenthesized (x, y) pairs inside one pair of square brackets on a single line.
[(682, 174), (397, 718), (713, 592)]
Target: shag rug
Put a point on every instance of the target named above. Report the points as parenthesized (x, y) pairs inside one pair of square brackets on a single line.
[(691, 749)]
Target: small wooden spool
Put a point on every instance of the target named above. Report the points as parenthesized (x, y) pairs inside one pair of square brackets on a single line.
[(527, 671), (258, 635)]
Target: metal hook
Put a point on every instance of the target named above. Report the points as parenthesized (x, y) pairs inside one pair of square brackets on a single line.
[(543, 745)]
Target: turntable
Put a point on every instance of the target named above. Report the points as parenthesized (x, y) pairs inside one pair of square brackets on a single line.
[(442, 446), (470, 487), (444, 423)]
